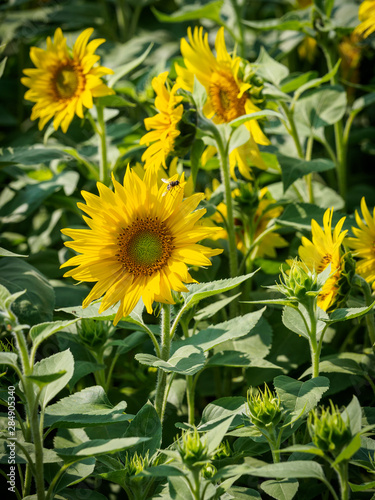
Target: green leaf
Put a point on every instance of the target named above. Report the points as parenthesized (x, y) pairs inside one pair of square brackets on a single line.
[(30, 155), (353, 413), (123, 70), (362, 487), (223, 408), (42, 380), (281, 490), (97, 447), (294, 469), (294, 322), (201, 291), (241, 493), (74, 474), (296, 168), (2, 66), (128, 343), (270, 302), (237, 122), (269, 69), (303, 448), (240, 360), (37, 303), (191, 12), (199, 93), (348, 313), (294, 21), (217, 334), (60, 361), (293, 82), (316, 82), (7, 253), (43, 331), (320, 107), (114, 101), (211, 309), (187, 360), (300, 397), (146, 424), (8, 358), (28, 200), (163, 471), (89, 407), (362, 102), (344, 362), (216, 435), (349, 450), (238, 138)]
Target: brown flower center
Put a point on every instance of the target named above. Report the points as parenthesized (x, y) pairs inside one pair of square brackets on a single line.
[(66, 81), (324, 262), (145, 246), (224, 92)]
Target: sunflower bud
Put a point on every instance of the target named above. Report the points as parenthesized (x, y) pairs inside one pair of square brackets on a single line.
[(263, 408), (193, 449), (92, 333), (208, 471), (299, 282), (344, 283), (328, 430)]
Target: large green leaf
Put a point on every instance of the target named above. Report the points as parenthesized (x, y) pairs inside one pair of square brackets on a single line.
[(146, 424), (351, 363), (241, 493), (320, 107), (293, 469), (269, 69), (27, 200), (30, 155), (300, 397), (214, 307), (59, 361), (316, 82), (89, 407), (43, 331), (296, 168), (298, 20), (284, 489), (8, 358), (201, 291), (217, 334), (37, 303), (187, 360), (348, 313), (74, 474)]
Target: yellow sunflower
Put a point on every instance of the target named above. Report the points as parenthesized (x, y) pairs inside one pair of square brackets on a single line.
[(163, 126), (64, 82), (363, 243), (261, 219), (140, 241), (366, 14), (322, 250), (227, 93)]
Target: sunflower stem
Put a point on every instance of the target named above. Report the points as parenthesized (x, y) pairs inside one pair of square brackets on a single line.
[(190, 394), (102, 136), (314, 347), (309, 147), (165, 348)]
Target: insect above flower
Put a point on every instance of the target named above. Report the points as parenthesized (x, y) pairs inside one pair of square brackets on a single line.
[(139, 243), (63, 83)]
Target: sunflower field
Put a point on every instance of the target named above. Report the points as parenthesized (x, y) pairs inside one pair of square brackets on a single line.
[(187, 249)]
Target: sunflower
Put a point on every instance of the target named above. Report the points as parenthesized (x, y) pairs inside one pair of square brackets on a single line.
[(64, 82), (366, 14), (364, 243), (140, 241), (322, 250), (163, 126), (227, 93)]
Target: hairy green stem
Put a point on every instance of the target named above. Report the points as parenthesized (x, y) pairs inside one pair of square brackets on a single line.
[(103, 173), (293, 129), (342, 472), (309, 146), (160, 396)]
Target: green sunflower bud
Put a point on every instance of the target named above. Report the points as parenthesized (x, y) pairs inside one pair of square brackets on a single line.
[(208, 471), (134, 464), (299, 282), (92, 333), (328, 430), (263, 408), (223, 451), (344, 283), (248, 199), (193, 449)]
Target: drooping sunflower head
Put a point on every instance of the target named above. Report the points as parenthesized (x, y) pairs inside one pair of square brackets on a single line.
[(163, 126), (363, 243), (64, 82), (366, 14), (140, 240), (323, 250)]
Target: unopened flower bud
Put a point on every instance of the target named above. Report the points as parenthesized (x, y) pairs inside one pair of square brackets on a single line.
[(264, 408)]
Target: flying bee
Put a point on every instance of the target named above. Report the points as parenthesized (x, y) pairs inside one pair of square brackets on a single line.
[(172, 185)]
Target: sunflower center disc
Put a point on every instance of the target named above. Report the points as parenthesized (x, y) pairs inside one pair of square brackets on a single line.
[(144, 247), (223, 92), (66, 82)]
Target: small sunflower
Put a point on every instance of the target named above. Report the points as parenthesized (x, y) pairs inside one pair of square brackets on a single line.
[(366, 14), (163, 126), (325, 249), (63, 81), (363, 243), (140, 241), (227, 93)]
